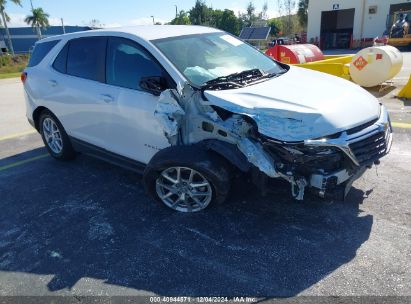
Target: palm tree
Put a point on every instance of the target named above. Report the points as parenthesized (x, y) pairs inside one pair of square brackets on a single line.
[(38, 19), (5, 19)]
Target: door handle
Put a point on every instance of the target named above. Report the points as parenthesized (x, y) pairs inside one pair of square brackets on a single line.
[(107, 98), (52, 83)]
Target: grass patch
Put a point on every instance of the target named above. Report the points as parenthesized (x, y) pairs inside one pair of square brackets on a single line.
[(9, 75), (12, 66)]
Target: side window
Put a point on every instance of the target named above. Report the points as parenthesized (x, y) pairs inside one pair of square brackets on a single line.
[(40, 51), (60, 63), (86, 58), (127, 63)]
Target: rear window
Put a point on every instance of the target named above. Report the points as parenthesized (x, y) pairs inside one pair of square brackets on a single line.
[(60, 64), (40, 51), (87, 58)]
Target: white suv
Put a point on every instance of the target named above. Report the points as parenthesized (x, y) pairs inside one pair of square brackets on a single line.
[(189, 107)]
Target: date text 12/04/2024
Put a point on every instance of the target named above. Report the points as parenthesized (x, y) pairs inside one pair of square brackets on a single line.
[(202, 300)]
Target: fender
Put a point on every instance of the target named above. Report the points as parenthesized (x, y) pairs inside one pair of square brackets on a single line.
[(229, 152)]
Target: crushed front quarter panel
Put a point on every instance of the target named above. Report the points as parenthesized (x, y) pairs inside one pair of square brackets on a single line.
[(189, 117), (169, 114)]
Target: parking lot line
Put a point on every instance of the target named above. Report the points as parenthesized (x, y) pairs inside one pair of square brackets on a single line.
[(22, 162), (401, 125), (17, 135)]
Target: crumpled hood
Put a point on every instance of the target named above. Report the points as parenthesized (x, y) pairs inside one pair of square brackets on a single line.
[(301, 104)]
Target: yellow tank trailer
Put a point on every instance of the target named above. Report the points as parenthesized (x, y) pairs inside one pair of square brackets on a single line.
[(337, 65), (406, 91)]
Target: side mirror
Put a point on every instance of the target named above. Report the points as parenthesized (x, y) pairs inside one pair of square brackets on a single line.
[(153, 84)]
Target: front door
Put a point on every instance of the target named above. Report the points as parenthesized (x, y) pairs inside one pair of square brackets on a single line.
[(134, 132)]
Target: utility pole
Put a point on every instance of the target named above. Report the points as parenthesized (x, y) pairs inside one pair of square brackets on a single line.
[(153, 20), (176, 10), (62, 24)]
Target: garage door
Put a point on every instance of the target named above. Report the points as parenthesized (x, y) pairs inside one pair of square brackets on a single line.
[(337, 28)]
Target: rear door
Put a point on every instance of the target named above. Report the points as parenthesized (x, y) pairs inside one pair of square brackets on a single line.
[(79, 86)]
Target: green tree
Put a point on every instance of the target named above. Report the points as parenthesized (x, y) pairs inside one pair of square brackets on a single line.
[(5, 18), (182, 18), (247, 19), (303, 12), (95, 24), (227, 21), (38, 20), (200, 13), (230, 22), (289, 6), (214, 17), (264, 12), (251, 17), (275, 26)]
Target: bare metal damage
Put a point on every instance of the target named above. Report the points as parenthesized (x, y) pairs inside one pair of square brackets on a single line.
[(188, 119)]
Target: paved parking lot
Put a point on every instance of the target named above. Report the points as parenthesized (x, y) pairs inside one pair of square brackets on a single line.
[(87, 228)]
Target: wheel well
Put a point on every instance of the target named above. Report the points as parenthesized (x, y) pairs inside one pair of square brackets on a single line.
[(36, 116), (228, 152)]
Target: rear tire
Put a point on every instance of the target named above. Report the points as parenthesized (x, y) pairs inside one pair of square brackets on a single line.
[(55, 137), (187, 178)]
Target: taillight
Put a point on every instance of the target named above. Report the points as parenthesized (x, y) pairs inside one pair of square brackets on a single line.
[(23, 77)]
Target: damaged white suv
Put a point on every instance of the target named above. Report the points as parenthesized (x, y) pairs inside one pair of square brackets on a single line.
[(189, 106)]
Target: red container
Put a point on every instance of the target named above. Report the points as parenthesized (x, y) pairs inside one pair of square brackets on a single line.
[(296, 53)]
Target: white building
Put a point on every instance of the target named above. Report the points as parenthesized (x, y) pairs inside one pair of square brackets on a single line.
[(350, 23)]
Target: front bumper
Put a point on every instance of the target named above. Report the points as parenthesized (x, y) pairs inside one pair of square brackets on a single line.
[(328, 166), (363, 147)]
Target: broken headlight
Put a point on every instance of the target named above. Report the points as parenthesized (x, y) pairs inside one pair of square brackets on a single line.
[(306, 159)]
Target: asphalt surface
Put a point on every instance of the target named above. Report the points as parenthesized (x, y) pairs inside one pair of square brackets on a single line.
[(87, 228)]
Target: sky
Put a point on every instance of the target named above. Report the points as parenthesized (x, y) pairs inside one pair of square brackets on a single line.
[(120, 12)]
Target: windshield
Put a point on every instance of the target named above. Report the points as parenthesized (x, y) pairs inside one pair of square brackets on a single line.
[(205, 57)]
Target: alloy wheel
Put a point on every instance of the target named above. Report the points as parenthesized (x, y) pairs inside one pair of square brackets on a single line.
[(52, 135), (184, 189)]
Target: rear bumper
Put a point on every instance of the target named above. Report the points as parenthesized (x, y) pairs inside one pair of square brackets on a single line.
[(31, 122), (30, 107)]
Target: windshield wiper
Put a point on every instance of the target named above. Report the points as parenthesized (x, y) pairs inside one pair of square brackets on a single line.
[(235, 80), (238, 80), (270, 75)]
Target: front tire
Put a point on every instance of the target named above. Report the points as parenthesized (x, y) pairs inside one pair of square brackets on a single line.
[(55, 137), (187, 179)]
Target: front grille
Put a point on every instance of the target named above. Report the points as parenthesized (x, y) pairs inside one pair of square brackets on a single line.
[(361, 127), (352, 130), (370, 149)]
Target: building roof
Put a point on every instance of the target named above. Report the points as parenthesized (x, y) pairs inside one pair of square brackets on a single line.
[(49, 31), (24, 38)]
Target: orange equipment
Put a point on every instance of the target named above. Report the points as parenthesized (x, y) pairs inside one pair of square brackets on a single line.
[(296, 53)]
